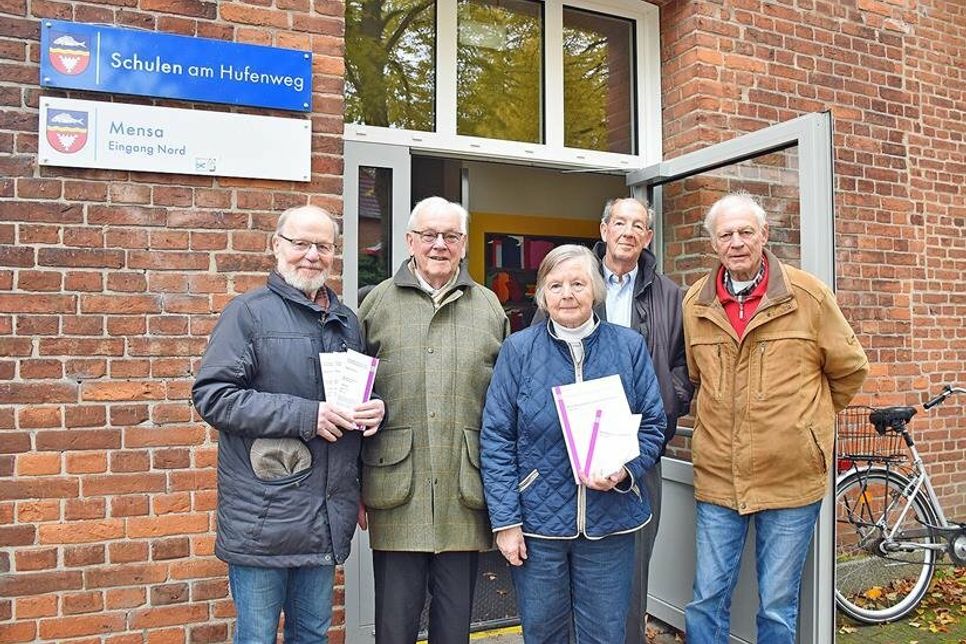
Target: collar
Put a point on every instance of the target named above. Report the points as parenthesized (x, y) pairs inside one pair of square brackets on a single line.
[(278, 285), (646, 267), (728, 281), (610, 277), (575, 335), (778, 287)]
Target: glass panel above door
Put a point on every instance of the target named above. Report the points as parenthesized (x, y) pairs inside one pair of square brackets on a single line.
[(499, 93), (599, 89), (390, 75)]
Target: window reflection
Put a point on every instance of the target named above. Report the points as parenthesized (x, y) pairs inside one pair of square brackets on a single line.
[(375, 226), (598, 82), (390, 63), (499, 69)]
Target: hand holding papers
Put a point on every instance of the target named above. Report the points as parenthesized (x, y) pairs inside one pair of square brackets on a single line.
[(347, 378), (599, 429)]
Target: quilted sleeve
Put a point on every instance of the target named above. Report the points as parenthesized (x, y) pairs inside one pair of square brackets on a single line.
[(647, 393), (498, 441)]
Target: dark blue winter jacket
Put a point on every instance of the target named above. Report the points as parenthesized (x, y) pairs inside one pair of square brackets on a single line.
[(526, 471)]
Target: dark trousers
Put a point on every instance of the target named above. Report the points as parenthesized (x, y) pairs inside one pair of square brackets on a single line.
[(401, 582), (642, 558)]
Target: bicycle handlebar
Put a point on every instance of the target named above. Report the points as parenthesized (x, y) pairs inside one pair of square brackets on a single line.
[(947, 391)]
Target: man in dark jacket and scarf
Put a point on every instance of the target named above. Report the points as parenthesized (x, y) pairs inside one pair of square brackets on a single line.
[(288, 461), (640, 298)]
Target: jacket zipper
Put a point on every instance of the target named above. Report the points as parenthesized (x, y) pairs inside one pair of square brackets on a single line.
[(761, 368), (720, 371), (581, 490)]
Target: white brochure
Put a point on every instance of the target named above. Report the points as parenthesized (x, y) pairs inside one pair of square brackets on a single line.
[(347, 377)]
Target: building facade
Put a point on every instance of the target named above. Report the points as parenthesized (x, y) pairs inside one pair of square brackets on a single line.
[(110, 281)]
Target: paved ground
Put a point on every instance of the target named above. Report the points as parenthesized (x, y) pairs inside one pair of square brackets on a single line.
[(662, 634)]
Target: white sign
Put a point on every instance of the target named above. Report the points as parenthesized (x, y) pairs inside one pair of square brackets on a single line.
[(116, 136)]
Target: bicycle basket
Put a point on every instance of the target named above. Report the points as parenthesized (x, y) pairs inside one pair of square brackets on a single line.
[(857, 440)]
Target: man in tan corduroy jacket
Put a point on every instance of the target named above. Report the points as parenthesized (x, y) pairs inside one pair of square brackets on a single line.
[(437, 334), (773, 359)]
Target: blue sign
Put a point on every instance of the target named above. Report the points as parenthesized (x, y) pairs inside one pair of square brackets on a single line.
[(147, 63)]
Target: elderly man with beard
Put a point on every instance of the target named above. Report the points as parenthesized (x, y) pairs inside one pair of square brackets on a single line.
[(437, 334), (288, 461)]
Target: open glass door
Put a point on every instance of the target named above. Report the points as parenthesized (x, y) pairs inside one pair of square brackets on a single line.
[(789, 167), (376, 209)]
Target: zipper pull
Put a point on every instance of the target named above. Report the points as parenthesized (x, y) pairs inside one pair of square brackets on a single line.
[(741, 307)]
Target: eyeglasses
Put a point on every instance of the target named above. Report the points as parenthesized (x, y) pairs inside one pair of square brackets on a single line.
[(302, 246), (430, 237), (557, 288)]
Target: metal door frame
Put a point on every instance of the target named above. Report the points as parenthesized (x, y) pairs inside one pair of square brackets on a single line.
[(812, 135)]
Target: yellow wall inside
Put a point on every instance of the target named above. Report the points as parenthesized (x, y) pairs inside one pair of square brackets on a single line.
[(482, 223)]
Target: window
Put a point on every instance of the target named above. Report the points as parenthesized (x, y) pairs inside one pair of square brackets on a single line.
[(390, 63), (569, 81), (598, 82), (499, 63)]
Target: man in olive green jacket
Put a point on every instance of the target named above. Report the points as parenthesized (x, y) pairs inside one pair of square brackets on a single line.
[(773, 359), (437, 334)]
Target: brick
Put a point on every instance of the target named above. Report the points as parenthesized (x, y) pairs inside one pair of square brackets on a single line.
[(131, 461), (167, 260), (129, 414), (39, 281), (101, 623), (86, 555), (85, 416), (208, 633), (37, 393), (125, 575), (32, 211), (81, 347), (36, 559), (40, 369), (84, 369), (166, 594), (169, 616), (76, 509), (129, 506), (209, 589), (18, 632), (39, 583), (150, 527), (122, 390), (80, 258), (34, 417), (23, 303), (38, 511), (78, 439), (168, 503), (127, 551), (82, 531), (174, 548), (14, 442), (124, 597), (17, 535), (86, 602), (112, 484), (38, 464), (120, 304), (86, 462), (46, 488)]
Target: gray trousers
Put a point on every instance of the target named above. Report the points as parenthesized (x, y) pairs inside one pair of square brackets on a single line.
[(634, 633)]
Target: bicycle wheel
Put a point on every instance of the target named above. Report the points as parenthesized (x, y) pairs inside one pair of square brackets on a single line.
[(874, 583)]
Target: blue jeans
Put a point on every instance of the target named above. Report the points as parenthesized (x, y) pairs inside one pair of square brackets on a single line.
[(260, 595), (781, 545), (580, 581)]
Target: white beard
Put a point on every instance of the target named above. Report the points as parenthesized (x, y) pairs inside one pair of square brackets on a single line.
[(307, 285)]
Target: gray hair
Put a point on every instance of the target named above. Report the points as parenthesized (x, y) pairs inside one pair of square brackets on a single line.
[(438, 203), (613, 203), (315, 210), (562, 255), (740, 199)]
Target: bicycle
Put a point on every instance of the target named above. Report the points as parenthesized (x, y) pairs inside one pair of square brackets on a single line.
[(891, 531)]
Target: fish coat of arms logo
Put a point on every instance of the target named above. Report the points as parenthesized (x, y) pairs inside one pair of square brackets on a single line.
[(66, 130), (69, 53)]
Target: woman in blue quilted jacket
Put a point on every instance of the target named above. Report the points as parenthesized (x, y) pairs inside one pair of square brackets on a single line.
[(571, 545)]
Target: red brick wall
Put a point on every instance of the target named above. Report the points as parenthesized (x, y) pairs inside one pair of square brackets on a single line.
[(892, 74), (109, 285)]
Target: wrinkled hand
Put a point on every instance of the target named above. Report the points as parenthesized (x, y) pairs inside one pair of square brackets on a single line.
[(361, 518), (511, 545), (333, 421), (604, 483), (368, 415)]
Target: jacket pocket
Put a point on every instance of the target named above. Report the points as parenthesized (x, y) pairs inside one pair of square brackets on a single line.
[(284, 523), (470, 483), (709, 357), (819, 458), (528, 480), (387, 469)]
